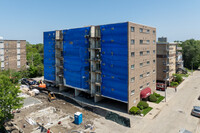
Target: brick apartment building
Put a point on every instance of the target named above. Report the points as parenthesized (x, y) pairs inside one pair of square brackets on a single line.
[(13, 54), (115, 61), (166, 60)]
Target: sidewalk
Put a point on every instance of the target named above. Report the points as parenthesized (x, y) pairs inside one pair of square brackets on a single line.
[(157, 108)]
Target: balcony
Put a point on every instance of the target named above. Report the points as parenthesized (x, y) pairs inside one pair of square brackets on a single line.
[(166, 71), (58, 46), (96, 59), (96, 46), (166, 64), (59, 56), (98, 82), (60, 73)]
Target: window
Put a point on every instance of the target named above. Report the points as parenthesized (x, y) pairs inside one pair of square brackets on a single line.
[(141, 87), (141, 53), (132, 92), (132, 54), (148, 41), (154, 51), (132, 29), (154, 71), (18, 66), (148, 84), (153, 81), (132, 41), (132, 66), (148, 62), (148, 31), (148, 52), (154, 61), (141, 64), (132, 79), (154, 41), (141, 75), (154, 32), (148, 73), (141, 41), (141, 30)]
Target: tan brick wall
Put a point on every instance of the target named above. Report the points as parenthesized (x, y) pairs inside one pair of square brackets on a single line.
[(10, 54), (137, 47), (161, 58)]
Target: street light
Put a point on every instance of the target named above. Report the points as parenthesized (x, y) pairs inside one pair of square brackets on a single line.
[(174, 80), (192, 67), (166, 89)]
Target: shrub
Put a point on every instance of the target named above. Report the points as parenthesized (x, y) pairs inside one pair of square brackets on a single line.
[(135, 110), (156, 94), (142, 105), (178, 78), (152, 98), (173, 83)]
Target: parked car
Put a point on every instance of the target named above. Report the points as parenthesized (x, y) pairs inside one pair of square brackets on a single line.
[(28, 81), (32, 82), (24, 81), (196, 111), (160, 86), (184, 131)]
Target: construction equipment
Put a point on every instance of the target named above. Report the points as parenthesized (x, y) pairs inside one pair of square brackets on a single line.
[(51, 96), (42, 85)]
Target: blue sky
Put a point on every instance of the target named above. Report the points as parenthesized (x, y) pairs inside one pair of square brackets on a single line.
[(28, 19)]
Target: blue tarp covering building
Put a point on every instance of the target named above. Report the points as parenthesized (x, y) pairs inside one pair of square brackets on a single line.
[(49, 56), (114, 59), (114, 56), (76, 55)]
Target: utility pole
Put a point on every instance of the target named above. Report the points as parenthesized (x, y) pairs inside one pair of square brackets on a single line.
[(165, 91), (166, 73), (192, 67)]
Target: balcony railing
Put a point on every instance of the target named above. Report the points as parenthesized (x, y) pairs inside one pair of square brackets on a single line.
[(166, 70), (58, 46), (96, 46), (166, 64), (60, 73)]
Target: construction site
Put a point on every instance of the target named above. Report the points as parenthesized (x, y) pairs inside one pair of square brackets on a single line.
[(46, 109)]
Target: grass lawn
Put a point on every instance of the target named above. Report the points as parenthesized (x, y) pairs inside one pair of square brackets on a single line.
[(188, 70), (184, 75), (145, 111), (159, 99)]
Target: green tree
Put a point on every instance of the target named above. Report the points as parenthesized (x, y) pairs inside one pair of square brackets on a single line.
[(35, 55), (191, 53), (9, 99)]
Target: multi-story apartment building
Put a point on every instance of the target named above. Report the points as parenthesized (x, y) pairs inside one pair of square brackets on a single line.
[(116, 61), (13, 54), (166, 60)]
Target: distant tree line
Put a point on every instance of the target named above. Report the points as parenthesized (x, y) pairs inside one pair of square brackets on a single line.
[(191, 53), (35, 57)]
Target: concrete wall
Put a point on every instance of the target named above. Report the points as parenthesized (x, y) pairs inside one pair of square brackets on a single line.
[(133, 99)]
